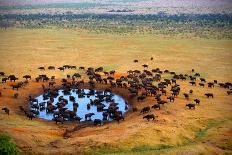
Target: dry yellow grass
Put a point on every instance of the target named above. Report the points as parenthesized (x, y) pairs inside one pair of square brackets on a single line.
[(206, 130)]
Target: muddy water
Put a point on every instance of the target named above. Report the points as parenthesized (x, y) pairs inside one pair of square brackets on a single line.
[(82, 109)]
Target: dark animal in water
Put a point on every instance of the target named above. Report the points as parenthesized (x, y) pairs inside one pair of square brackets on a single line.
[(88, 116)]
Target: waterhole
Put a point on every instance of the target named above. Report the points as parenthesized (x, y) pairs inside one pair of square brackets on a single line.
[(79, 102)]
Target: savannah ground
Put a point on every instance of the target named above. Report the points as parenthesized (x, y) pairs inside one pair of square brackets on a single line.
[(205, 130)]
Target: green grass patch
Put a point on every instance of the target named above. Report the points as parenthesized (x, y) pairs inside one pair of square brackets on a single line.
[(6, 146)]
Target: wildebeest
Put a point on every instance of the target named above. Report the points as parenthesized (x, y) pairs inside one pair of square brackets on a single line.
[(12, 78), (186, 96), (229, 92), (190, 105), (4, 80), (171, 98), (16, 95), (61, 68), (89, 115), (136, 61), (134, 109), (41, 68), (209, 95), (190, 91), (210, 84), (145, 110), (141, 98), (148, 117), (2, 74), (51, 68), (97, 122), (162, 102), (27, 77), (145, 66), (156, 106), (202, 84), (192, 83), (30, 115), (197, 101), (33, 99), (7, 111)]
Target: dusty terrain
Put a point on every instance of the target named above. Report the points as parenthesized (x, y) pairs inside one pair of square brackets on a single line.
[(178, 130)]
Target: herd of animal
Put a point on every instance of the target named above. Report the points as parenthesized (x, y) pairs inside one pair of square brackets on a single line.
[(141, 84)]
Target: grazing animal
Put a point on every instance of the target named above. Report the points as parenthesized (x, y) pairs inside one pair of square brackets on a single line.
[(136, 61), (162, 102), (141, 98), (202, 84), (145, 66), (27, 77), (16, 95), (4, 80), (209, 95), (41, 68), (197, 101), (7, 111), (156, 106), (151, 116), (2, 74), (145, 110), (192, 83), (171, 98), (191, 91), (202, 80), (30, 115), (134, 109), (51, 68), (229, 92), (190, 105), (186, 96)]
